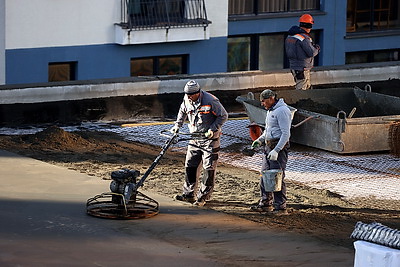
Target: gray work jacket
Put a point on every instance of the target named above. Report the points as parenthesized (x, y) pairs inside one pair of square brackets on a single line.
[(206, 113)]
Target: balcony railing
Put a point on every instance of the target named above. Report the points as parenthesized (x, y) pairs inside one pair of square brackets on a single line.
[(163, 14)]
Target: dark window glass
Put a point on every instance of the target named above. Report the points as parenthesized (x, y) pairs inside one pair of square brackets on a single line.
[(371, 15), (372, 56), (159, 66), (171, 65), (266, 6), (296, 5), (271, 52), (242, 7), (238, 53), (63, 71), (356, 57), (142, 67), (239, 7)]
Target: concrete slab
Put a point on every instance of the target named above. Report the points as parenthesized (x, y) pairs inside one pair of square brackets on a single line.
[(43, 223)]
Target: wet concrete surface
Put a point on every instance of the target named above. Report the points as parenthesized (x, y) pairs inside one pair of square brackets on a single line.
[(43, 222)]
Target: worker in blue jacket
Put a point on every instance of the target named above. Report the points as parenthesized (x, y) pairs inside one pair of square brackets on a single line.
[(301, 50)]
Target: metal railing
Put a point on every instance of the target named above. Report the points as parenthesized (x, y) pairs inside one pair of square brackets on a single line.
[(156, 14)]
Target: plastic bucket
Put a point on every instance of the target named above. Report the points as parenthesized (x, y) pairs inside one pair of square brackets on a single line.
[(272, 180)]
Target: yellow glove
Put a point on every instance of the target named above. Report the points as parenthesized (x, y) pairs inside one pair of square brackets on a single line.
[(255, 144), (209, 134)]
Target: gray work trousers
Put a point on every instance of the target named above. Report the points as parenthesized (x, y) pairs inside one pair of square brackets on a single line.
[(276, 199), (201, 153), (302, 79)]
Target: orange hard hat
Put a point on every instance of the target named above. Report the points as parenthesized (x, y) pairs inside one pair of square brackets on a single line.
[(306, 18)]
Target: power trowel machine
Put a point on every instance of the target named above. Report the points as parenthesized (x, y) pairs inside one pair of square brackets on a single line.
[(124, 201)]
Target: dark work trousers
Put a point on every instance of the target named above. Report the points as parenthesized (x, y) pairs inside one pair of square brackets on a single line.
[(201, 153), (277, 199)]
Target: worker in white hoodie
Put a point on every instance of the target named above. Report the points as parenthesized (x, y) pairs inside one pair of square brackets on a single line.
[(275, 140)]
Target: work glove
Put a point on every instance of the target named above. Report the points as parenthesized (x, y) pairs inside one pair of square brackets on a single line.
[(174, 129), (209, 134), (255, 144), (273, 155)]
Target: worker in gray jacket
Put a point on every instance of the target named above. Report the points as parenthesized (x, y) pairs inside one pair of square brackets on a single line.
[(301, 50), (275, 138), (206, 115)]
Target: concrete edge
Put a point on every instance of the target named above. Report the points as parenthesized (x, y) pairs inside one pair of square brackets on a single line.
[(216, 82)]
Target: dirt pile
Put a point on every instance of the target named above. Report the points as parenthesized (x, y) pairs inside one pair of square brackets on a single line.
[(56, 138)]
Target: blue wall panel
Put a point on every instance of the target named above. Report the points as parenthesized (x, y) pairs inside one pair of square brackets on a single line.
[(111, 60), (372, 43)]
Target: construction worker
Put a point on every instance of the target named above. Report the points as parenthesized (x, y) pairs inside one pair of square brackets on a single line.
[(275, 138), (206, 115), (301, 51)]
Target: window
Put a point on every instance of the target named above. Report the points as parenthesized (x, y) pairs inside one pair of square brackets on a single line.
[(241, 7), (371, 15), (373, 56), (271, 52), (63, 71), (260, 52), (142, 67), (170, 65), (239, 53)]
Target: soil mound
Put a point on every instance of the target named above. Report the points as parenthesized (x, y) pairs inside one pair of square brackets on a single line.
[(54, 137)]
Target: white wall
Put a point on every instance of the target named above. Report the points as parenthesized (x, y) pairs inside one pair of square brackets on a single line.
[(2, 42), (45, 23), (49, 23), (217, 12)]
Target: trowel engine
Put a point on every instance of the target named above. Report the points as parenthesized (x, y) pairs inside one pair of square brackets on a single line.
[(124, 183)]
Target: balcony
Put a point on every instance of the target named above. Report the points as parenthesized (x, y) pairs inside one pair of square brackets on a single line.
[(161, 21)]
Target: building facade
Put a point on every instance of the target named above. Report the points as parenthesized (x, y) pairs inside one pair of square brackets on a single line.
[(45, 41)]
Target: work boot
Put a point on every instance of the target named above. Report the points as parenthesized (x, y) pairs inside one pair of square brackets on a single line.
[(280, 212), (262, 208), (200, 203), (185, 198), (207, 185)]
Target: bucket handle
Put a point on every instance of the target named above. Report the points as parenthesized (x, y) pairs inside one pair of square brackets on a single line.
[(341, 121), (280, 166)]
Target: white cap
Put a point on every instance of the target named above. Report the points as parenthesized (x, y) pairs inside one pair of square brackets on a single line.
[(191, 87)]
